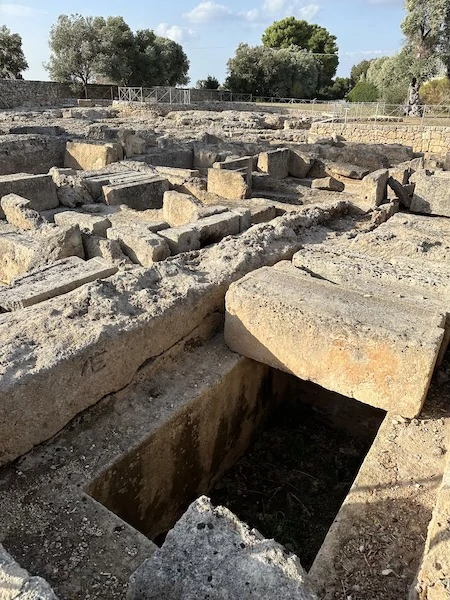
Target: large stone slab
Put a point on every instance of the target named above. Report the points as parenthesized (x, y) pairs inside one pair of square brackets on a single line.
[(365, 348), (53, 280), (275, 163), (90, 223), (38, 189), (233, 185), (141, 194), (211, 554), (30, 153), (18, 212), (73, 346), (431, 194), (180, 209), (81, 155), (140, 244), (22, 252)]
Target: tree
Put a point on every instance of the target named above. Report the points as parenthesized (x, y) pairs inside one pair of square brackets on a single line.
[(75, 42), (436, 91), (359, 70), (117, 59), (210, 83), (264, 72), (294, 32), (159, 61), (12, 58), (427, 31), (364, 91), (338, 90)]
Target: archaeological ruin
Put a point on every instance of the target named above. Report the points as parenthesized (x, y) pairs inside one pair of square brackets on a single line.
[(224, 364)]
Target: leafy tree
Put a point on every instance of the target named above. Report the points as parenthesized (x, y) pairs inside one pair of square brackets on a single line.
[(262, 71), (294, 32), (159, 61), (436, 91), (12, 58), (339, 90), (427, 31), (117, 59), (210, 83), (359, 70), (364, 91), (75, 43)]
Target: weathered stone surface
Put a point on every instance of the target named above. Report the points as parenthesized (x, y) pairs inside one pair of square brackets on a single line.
[(328, 183), (38, 189), (433, 580), (232, 185), (182, 239), (30, 154), (299, 163), (70, 187), (94, 224), (262, 211), (211, 554), (18, 584), (345, 170), (140, 195), (334, 337), (21, 252), (73, 345), (60, 277), (18, 212), (81, 155), (431, 194), (374, 188), (275, 163), (140, 244), (383, 213), (108, 250), (180, 209), (244, 162), (213, 229)]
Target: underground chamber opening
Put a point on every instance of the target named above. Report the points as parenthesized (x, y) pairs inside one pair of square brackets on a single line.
[(288, 482)]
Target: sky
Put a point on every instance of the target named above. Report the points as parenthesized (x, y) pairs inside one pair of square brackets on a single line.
[(211, 30)]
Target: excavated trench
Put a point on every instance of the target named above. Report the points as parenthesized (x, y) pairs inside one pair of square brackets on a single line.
[(285, 470)]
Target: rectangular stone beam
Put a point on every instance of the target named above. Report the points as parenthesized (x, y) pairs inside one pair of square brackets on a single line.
[(364, 348)]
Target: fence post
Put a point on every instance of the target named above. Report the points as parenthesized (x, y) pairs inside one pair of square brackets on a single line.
[(424, 108), (376, 113), (142, 95)]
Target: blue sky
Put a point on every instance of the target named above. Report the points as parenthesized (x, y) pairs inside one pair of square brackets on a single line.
[(211, 30)]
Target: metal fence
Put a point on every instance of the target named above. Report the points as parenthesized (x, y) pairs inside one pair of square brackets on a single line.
[(315, 110)]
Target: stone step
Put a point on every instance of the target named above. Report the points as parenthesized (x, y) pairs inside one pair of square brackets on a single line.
[(54, 280), (369, 349)]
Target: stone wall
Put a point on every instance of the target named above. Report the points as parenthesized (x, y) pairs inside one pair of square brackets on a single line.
[(19, 92), (422, 139)]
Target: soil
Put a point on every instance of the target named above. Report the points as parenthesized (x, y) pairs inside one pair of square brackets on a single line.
[(293, 480)]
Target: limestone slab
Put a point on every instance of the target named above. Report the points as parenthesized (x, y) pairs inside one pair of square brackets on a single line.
[(140, 244), (275, 163), (232, 185), (53, 280), (81, 155), (180, 209), (38, 189), (364, 348), (142, 194), (211, 554), (94, 224), (18, 212), (431, 194)]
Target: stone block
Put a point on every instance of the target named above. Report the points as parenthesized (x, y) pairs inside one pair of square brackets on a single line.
[(431, 194), (213, 229), (262, 213), (108, 250), (140, 195), (204, 157), (30, 154), (211, 554), (56, 279), (141, 245), (364, 348), (81, 155), (374, 188), (299, 163), (328, 183), (275, 163), (180, 209), (22, 252), (93, 224), (232, 185), (38, 189), (243, 164), (182, 239), (19, 213)]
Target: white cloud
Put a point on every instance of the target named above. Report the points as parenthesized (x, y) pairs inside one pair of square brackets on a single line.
[(285, 8), (307, 12), (205, 12), (19, 10), (370, 53), (174, 32), (274, 6)]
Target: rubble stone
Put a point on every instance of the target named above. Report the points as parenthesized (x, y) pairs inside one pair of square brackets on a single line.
[(140, 244), (19, 213)]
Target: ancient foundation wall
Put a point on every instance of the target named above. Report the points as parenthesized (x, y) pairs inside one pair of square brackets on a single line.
[(422, 139), (20, 92)]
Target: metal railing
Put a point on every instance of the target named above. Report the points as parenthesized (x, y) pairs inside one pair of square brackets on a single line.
[(315, 110)]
